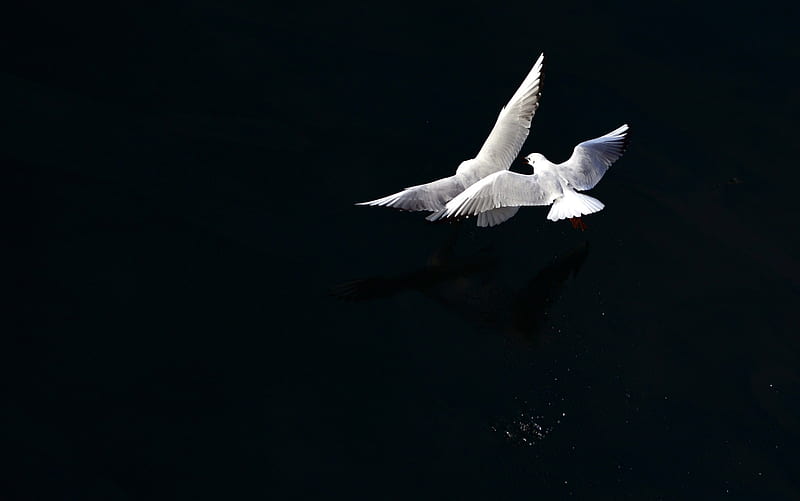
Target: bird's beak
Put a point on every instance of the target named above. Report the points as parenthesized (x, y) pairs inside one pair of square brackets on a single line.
[(524, 160)]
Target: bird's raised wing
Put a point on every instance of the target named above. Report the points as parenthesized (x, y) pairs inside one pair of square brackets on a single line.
[(591, 159), (424, 197), (504, 189), (513, 124)]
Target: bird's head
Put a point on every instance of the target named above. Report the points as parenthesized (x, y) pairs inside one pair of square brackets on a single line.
[(532, 159)]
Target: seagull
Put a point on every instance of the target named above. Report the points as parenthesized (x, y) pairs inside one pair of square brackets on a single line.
[(497, 153), (556, 184)]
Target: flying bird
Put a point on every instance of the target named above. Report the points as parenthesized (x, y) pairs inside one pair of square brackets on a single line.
[(556, 184), (496, 155)]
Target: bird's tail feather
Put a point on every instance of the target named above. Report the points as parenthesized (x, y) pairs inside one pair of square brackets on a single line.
[(573, 204), (436, 215)]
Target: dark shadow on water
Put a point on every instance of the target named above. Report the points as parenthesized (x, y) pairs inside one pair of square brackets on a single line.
[(473, 287)]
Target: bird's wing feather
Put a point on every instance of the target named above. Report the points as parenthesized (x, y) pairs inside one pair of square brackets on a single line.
[(424, 197), (504, 189), (591, 159), (496, 216), (512, 126)]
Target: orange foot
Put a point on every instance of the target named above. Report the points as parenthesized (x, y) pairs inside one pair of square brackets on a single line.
[(578, 223)]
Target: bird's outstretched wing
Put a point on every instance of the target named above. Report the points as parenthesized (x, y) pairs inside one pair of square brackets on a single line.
[(512, 126), (504, 189), (424, 197), (497, 153), (591, 159)]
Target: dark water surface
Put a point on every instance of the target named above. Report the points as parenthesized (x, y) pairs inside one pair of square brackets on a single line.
[(198, 311)]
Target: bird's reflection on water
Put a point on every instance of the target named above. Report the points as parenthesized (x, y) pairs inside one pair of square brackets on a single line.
[(476, 287), (473, 287)]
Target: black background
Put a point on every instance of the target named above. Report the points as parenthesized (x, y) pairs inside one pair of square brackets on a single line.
[(179, 185)]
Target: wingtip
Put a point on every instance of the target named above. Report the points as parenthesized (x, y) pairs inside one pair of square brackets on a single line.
[(626, 142)]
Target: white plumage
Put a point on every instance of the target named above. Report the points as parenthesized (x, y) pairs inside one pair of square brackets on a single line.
[(556, 184), (500, 149)]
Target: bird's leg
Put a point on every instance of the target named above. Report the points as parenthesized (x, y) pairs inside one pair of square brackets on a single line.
[(578, 223)]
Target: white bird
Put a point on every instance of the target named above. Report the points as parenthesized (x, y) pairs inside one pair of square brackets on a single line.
[(497, 153), (556, 184)]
